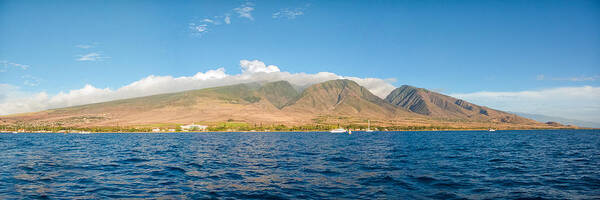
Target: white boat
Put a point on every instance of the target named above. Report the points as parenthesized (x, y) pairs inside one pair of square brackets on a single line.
[(369, 127), (491, 130), (338, 130)]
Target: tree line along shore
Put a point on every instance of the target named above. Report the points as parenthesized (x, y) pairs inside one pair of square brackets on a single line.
[(241, 127)]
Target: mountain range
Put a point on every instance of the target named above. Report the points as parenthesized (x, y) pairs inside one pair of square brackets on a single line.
[(332, 102)]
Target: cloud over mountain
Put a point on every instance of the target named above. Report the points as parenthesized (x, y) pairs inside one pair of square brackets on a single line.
[(16, 101)]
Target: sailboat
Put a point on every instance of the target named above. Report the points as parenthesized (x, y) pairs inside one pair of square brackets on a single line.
[(369, 127)]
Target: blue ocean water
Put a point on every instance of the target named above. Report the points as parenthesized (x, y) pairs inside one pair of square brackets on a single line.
[(556, 164)]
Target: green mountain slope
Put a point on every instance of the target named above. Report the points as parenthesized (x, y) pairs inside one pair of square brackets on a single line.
[(279, 93)]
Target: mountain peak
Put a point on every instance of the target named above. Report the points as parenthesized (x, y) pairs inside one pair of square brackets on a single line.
[(409, 97), (408, 87), (279, 93), (342, 96), (344, 83)]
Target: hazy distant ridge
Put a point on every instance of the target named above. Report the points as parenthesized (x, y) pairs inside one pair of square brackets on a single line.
[(545, 118)]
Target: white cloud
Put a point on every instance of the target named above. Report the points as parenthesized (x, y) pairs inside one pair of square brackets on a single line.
[(208, 21), (13, 100), (542, 77), (95, 56), (253, 71), (30, 80), (7, 65), (199, 28), (7, 90), (257, 66), (578, 78), (84, 46), (287, 13), (245, 10), (582, 103), (227, 19), (290, 13)]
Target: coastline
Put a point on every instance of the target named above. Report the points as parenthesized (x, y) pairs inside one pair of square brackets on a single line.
[(300, 131)]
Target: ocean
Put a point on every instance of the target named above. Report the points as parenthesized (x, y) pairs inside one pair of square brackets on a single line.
[(539, 164)]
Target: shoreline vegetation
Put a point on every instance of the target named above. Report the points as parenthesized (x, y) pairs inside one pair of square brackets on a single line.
[(243, 127)]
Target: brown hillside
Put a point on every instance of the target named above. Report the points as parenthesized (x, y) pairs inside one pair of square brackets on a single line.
[(437, 105)]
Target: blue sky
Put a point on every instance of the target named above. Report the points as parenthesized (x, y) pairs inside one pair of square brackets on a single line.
[(456, 47)]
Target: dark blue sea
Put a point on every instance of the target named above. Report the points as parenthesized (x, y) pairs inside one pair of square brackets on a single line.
[(544, 164)]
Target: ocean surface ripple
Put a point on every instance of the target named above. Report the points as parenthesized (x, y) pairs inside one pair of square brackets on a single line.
[(557, 164)]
